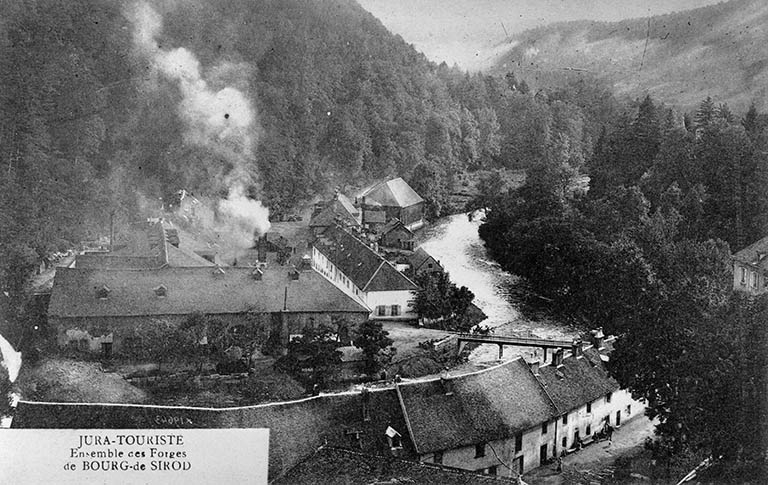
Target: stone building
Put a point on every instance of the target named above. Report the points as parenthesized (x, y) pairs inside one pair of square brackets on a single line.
[(93, 309)]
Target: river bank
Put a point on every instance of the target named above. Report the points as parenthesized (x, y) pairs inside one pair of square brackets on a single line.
[(455, 242)]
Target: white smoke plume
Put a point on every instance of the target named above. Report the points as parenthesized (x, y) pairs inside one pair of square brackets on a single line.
[(240, 215), (222, 120)]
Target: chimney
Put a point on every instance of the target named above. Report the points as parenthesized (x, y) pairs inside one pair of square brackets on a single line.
[(557, 358), (597, 337), (534, 365), (576, 348)]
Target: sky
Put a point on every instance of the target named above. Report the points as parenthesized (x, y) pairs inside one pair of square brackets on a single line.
[(466, 32)]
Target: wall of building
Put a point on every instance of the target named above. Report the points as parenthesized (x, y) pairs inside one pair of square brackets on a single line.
[(372, 299), (579, 419), (398, 238), (534, 438), (505, 452), (412, 214), (325, 267), (89, 333), (401, 298), (748, 278)]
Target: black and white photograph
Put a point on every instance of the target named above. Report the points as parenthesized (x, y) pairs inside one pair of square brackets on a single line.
[(380, 242)]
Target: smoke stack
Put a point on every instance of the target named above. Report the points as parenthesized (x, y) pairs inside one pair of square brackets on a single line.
[(597, 337)]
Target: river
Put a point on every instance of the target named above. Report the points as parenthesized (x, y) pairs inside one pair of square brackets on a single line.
[(455, 242)]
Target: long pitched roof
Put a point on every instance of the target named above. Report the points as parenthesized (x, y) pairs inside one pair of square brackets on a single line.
[(339, 209), (198, 289), (334, 465), (419, 257), (578, 381), (756, 254), (182, 258), (361, 264), (392, 193), (492, 404)]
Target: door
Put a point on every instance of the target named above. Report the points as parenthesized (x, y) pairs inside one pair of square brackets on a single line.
[(518, 465), (618, 418), (543, 455)]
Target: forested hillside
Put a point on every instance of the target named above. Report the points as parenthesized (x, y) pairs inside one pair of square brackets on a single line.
[(679, 58), (109, 108)]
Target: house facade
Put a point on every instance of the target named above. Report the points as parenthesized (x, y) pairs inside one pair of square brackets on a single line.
[(396, 235), (362, 273), (423, 262), (750, 268)]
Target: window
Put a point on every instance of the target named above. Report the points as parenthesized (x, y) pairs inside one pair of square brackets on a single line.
[(565, 418), (565, 442), (743, 276), (519, 442), (589, 430), (381, 310), (608, 397), (544, 427), (395, 310), (589, 407), (438, 457), (629, 409), (753, 279), (479, 450)]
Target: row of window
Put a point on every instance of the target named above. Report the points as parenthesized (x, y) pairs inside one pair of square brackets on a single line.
[(394, 310), (480, 447), (753, 280)]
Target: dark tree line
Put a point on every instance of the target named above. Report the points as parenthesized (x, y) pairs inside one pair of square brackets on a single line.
[(646, 253)]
